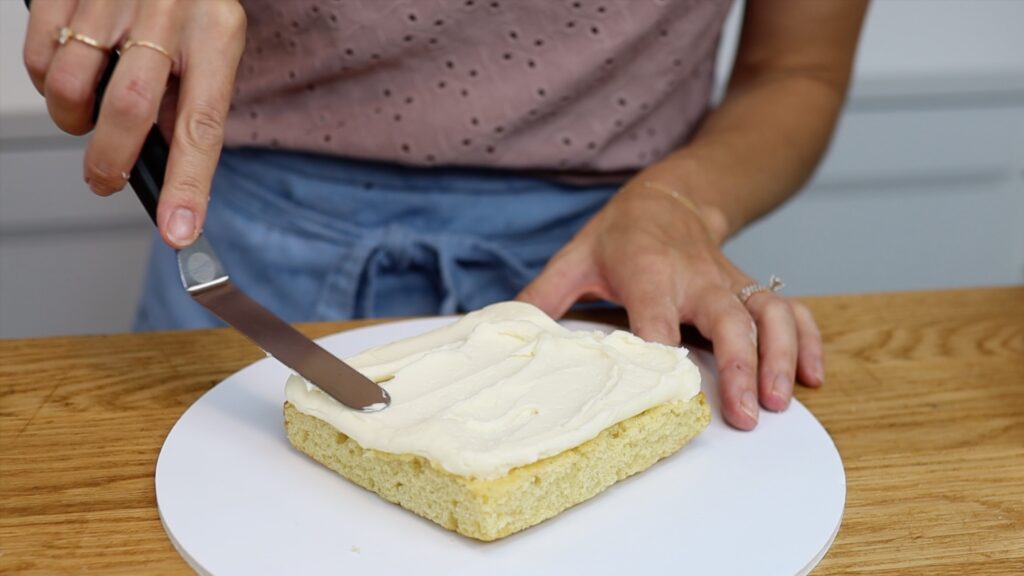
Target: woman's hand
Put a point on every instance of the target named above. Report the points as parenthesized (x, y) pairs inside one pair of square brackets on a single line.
[(655, 248), (657, 253), (203, 39)]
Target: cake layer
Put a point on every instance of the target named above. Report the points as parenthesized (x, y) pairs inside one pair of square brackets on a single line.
[(488, 509), (501, 388)]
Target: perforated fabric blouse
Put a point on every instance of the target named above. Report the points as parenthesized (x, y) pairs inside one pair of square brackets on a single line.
[(584, 85)]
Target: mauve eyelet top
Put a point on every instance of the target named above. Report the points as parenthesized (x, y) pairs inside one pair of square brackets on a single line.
[(547, 85)]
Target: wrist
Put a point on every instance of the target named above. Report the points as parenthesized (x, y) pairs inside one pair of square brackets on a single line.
[(708, 217), (717, 223), (683, 181)]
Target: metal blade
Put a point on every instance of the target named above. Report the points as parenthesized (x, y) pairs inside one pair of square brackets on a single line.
[(204, 279)]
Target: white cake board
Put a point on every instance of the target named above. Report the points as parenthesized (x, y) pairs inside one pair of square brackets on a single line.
[(236, 498)]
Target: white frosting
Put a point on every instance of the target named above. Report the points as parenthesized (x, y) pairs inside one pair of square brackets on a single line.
[(503, 387)]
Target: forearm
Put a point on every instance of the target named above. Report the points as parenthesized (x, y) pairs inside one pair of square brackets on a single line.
[(763, 142), (756, 149)]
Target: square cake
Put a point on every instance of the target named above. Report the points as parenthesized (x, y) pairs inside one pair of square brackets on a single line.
[(503, 418)]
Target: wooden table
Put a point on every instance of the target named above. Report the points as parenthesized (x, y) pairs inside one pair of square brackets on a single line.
[(924, 398)]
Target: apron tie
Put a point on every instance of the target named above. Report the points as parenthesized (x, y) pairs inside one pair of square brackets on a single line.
[(442, 258)]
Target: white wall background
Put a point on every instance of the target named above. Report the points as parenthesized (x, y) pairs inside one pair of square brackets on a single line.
[(922, 188)]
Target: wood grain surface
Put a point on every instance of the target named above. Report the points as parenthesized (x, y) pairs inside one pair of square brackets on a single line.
[(924, 397)]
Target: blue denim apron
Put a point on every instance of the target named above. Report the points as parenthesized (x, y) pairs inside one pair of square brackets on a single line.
[(321, 238)]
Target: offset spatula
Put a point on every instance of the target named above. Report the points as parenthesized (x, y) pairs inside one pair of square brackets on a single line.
[(204, 277), (206, 281)]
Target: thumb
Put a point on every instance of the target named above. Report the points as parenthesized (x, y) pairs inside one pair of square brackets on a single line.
[(204, 99), (563, 280)]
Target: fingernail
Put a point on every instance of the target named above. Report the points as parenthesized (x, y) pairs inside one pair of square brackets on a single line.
[(781, 389), (748, 403), (181, 228), (819, 370), (97, 188), (104, 181)]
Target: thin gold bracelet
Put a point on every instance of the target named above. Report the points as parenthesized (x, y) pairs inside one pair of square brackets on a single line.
[(689, 204)]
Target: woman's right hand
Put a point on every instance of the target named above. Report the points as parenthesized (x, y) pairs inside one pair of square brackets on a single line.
[(205, 38)]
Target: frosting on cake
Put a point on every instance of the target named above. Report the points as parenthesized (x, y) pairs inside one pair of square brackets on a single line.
[(503, 387)]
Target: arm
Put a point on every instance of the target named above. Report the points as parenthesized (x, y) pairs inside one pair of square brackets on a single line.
[(787, 88), (656, 247)]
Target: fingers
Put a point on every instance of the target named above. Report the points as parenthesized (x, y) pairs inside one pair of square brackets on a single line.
[(651, 301), (654, 318), (210, 52), (810, 360), (562, 281), (723, 320), (132, 100), (44, 18), (777, 349), (74, 71)]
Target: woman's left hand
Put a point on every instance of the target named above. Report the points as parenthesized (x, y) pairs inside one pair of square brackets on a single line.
[(657, 253)]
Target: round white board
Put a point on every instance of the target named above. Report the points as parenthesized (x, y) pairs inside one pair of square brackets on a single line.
[(236, 498)]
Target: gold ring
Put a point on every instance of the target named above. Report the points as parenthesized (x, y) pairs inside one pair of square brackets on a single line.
[(66, 34), (774, 285), (129, 43)]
